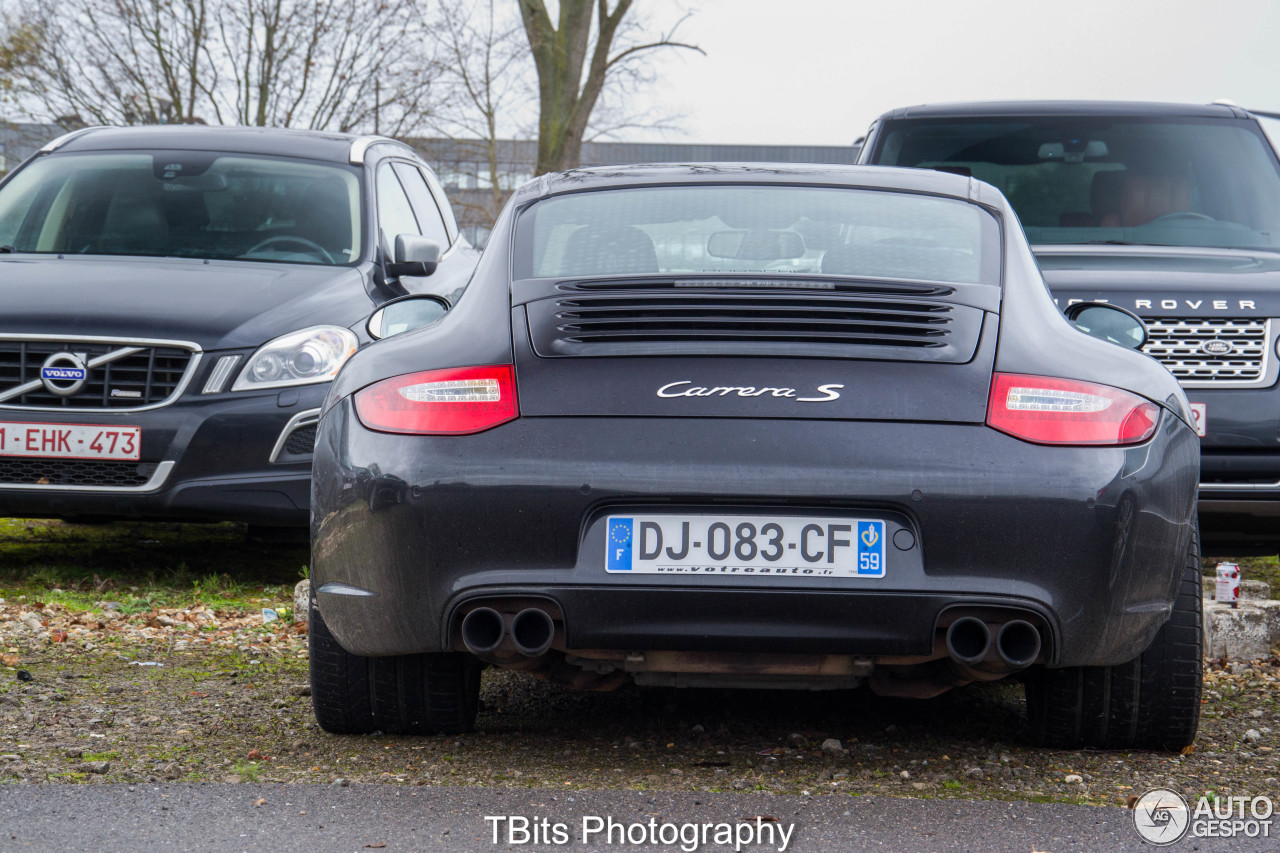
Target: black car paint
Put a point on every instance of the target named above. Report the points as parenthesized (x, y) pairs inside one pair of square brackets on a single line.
[(220, 305), (406, 529), (220, 442), (1242, 444), (519, 513)]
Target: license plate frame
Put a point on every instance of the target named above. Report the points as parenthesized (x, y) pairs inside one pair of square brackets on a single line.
[(99, 442), (716, 545), (1200, 418)]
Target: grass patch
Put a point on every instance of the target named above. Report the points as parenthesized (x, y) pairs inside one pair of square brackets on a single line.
[(247, 771), (138, 567)]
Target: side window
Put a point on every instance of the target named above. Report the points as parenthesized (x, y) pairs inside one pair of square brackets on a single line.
[(395, 215), (423, 205), (442, 201)]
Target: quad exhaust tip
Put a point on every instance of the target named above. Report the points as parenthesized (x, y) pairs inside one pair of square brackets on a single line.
[(532, 631), (483, 630), (1018, 643), (968, 640)]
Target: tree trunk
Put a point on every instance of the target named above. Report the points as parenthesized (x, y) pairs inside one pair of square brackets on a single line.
[(560, 54)]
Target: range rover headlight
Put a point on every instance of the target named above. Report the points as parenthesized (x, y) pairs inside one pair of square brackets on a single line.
[(301, 358)]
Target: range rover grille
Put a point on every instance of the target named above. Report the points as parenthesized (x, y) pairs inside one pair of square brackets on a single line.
[(74, 472), (147, 377), (663, 323), (1212, 351)]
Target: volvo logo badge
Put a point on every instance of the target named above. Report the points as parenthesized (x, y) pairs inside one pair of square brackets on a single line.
[(64, 373), (1217, 347)]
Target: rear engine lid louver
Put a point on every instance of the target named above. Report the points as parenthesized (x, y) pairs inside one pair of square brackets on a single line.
[(723, 321)]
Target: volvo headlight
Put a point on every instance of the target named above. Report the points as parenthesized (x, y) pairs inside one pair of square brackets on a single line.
[(301, 358)]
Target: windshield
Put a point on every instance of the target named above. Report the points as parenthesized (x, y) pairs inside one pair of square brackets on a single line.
[(190, 204), (778, 230), (1185, 182)]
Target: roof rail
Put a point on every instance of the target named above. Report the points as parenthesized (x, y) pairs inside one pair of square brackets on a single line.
[(62, 140), (1264, 113), (359, 146)]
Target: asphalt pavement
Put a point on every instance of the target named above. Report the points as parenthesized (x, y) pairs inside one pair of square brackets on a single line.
[(280, 818)]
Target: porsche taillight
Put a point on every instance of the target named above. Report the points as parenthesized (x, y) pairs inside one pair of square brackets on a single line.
[(455, 401), (1044, 410)]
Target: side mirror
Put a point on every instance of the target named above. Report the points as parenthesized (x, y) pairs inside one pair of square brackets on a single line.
[(414, 255), (405, 314), (1109, 322)]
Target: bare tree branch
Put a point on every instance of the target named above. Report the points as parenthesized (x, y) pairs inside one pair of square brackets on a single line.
[(485, 85), (307, 63), (561, 56)]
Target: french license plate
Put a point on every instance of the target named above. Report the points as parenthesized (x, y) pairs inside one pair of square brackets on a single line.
[(745, 546), (71, 441), (1199, 417)]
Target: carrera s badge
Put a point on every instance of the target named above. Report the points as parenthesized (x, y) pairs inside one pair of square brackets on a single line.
[(679, 389)]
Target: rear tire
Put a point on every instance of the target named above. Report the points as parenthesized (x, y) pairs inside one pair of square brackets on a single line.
[(435, 693), (1150, 702)]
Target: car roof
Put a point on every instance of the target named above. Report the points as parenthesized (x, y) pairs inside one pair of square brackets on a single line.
[(281, 142), (997, 109), (657, 174)]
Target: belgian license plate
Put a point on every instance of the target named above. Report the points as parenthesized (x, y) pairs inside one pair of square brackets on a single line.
[(745, 546), (71, 441), (1199, 417)]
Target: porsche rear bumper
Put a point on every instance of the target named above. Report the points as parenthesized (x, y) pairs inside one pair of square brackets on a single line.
[(409, 531)]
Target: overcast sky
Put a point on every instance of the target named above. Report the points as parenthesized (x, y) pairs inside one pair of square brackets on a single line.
[(818, 71)]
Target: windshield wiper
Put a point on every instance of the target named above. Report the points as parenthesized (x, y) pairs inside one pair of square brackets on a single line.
[(1110, 243), (7, 250)]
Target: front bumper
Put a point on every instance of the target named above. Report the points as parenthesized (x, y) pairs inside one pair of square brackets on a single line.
[(409, 529), (1240, 471), (224, 457)]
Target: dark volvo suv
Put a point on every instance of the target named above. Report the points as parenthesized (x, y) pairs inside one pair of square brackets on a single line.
[(176, 301), (1171, 211)]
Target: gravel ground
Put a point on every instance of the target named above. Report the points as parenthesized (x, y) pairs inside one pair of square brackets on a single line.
[(91, 692), (231, 703)]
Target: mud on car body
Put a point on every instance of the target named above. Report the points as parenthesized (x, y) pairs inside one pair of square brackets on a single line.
[(176, 301), (759, 426)]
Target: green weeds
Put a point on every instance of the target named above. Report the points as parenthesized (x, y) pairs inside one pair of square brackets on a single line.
[(137, 567), (247, 771)]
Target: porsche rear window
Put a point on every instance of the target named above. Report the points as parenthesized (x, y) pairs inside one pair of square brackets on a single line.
[(774, 230)]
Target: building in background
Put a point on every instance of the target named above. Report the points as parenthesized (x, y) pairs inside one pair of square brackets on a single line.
[(18, 141), (463, 167)]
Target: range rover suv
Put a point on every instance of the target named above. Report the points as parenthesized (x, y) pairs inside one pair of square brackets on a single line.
[(1171, 211), (176, 301)]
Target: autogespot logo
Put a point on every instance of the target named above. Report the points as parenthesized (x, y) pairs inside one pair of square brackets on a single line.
[(1161, 817)]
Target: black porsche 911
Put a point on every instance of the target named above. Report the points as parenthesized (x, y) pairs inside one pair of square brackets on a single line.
[(759, 426)]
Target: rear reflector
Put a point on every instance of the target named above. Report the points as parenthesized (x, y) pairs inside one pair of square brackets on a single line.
[(1066, 411), (455, 401)]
